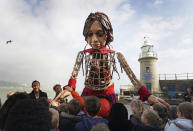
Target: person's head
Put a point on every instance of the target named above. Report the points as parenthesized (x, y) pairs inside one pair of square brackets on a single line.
[(185, 110), (162, 111), (9, 103), (151, 118), (98, 31), (28, 115), (57, 88), (137, 106), (189, 90), (10, 94), (63, 107), (74, 107), (118, 113), (36, 86), (100, 127), (172, 112), (55, 118), (92, 105)]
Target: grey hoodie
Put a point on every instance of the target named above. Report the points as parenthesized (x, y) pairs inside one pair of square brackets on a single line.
[(179, 124)]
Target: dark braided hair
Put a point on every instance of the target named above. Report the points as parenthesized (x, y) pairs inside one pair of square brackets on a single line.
[(103, 20)]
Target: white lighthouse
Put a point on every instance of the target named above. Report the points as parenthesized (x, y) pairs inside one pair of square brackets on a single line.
[(148, 71)]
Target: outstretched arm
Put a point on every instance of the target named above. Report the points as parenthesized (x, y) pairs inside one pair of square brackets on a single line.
[(142, 91)]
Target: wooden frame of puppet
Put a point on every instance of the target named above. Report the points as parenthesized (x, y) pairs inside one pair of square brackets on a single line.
[(99, 62)]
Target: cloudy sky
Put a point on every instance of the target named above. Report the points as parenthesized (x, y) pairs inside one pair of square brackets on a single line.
[(47, 35)]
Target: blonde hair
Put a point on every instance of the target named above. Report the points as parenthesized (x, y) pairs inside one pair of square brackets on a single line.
[(138, 105), (100, 127), (186, 109)]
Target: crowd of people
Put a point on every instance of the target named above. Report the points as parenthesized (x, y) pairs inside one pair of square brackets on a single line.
[(34, 111)]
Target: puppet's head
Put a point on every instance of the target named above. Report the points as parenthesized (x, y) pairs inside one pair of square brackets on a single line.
[(98, 31)]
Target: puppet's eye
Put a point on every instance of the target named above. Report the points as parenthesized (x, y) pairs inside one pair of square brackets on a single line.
[(100, 34), (90, 34)]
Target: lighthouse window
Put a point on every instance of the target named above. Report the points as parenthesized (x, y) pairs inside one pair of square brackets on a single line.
[(147, 69), (148, 86)]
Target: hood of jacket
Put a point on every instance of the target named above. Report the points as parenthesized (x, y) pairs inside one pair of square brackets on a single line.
[(179, 124), (183, 123)]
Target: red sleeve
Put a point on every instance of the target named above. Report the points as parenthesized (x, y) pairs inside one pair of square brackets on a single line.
[(143, 93), (72, 83), (77, 96)]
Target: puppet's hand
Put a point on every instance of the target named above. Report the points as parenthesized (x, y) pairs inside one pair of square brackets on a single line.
[(54, 103), (62, 95)]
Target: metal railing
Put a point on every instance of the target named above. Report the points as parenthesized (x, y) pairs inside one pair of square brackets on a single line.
[(182, 76), (148, 54)]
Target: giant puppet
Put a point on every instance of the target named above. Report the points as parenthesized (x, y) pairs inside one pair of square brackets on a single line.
[(99, 62)]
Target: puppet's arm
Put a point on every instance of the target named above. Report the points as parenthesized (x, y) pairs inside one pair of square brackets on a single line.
[(79, 60), (142, 91), (127, 69), (76, 69)]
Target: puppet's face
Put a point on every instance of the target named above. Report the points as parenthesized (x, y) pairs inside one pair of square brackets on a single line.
[(96, 36)]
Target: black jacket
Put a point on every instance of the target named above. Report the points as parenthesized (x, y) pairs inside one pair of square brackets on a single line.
[(41, 94), (68, 122), (187, 97)]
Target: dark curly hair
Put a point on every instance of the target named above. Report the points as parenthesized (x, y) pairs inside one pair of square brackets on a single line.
[(28, 115), (9, 103), (35, 81), (103, 20)]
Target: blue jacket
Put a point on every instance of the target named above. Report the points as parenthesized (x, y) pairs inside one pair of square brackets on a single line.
[(88, 122)]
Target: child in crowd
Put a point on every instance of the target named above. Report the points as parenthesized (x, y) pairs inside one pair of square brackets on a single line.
[(151, 121), (62, 107), (105, 101), (137, 108), (69, 117), (184, 122), (92, 107), (162, 112), (172, 112)]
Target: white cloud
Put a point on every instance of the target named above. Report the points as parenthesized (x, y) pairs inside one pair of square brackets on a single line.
[(158, 2), (157, 28), (187, 40), (47, 36)]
